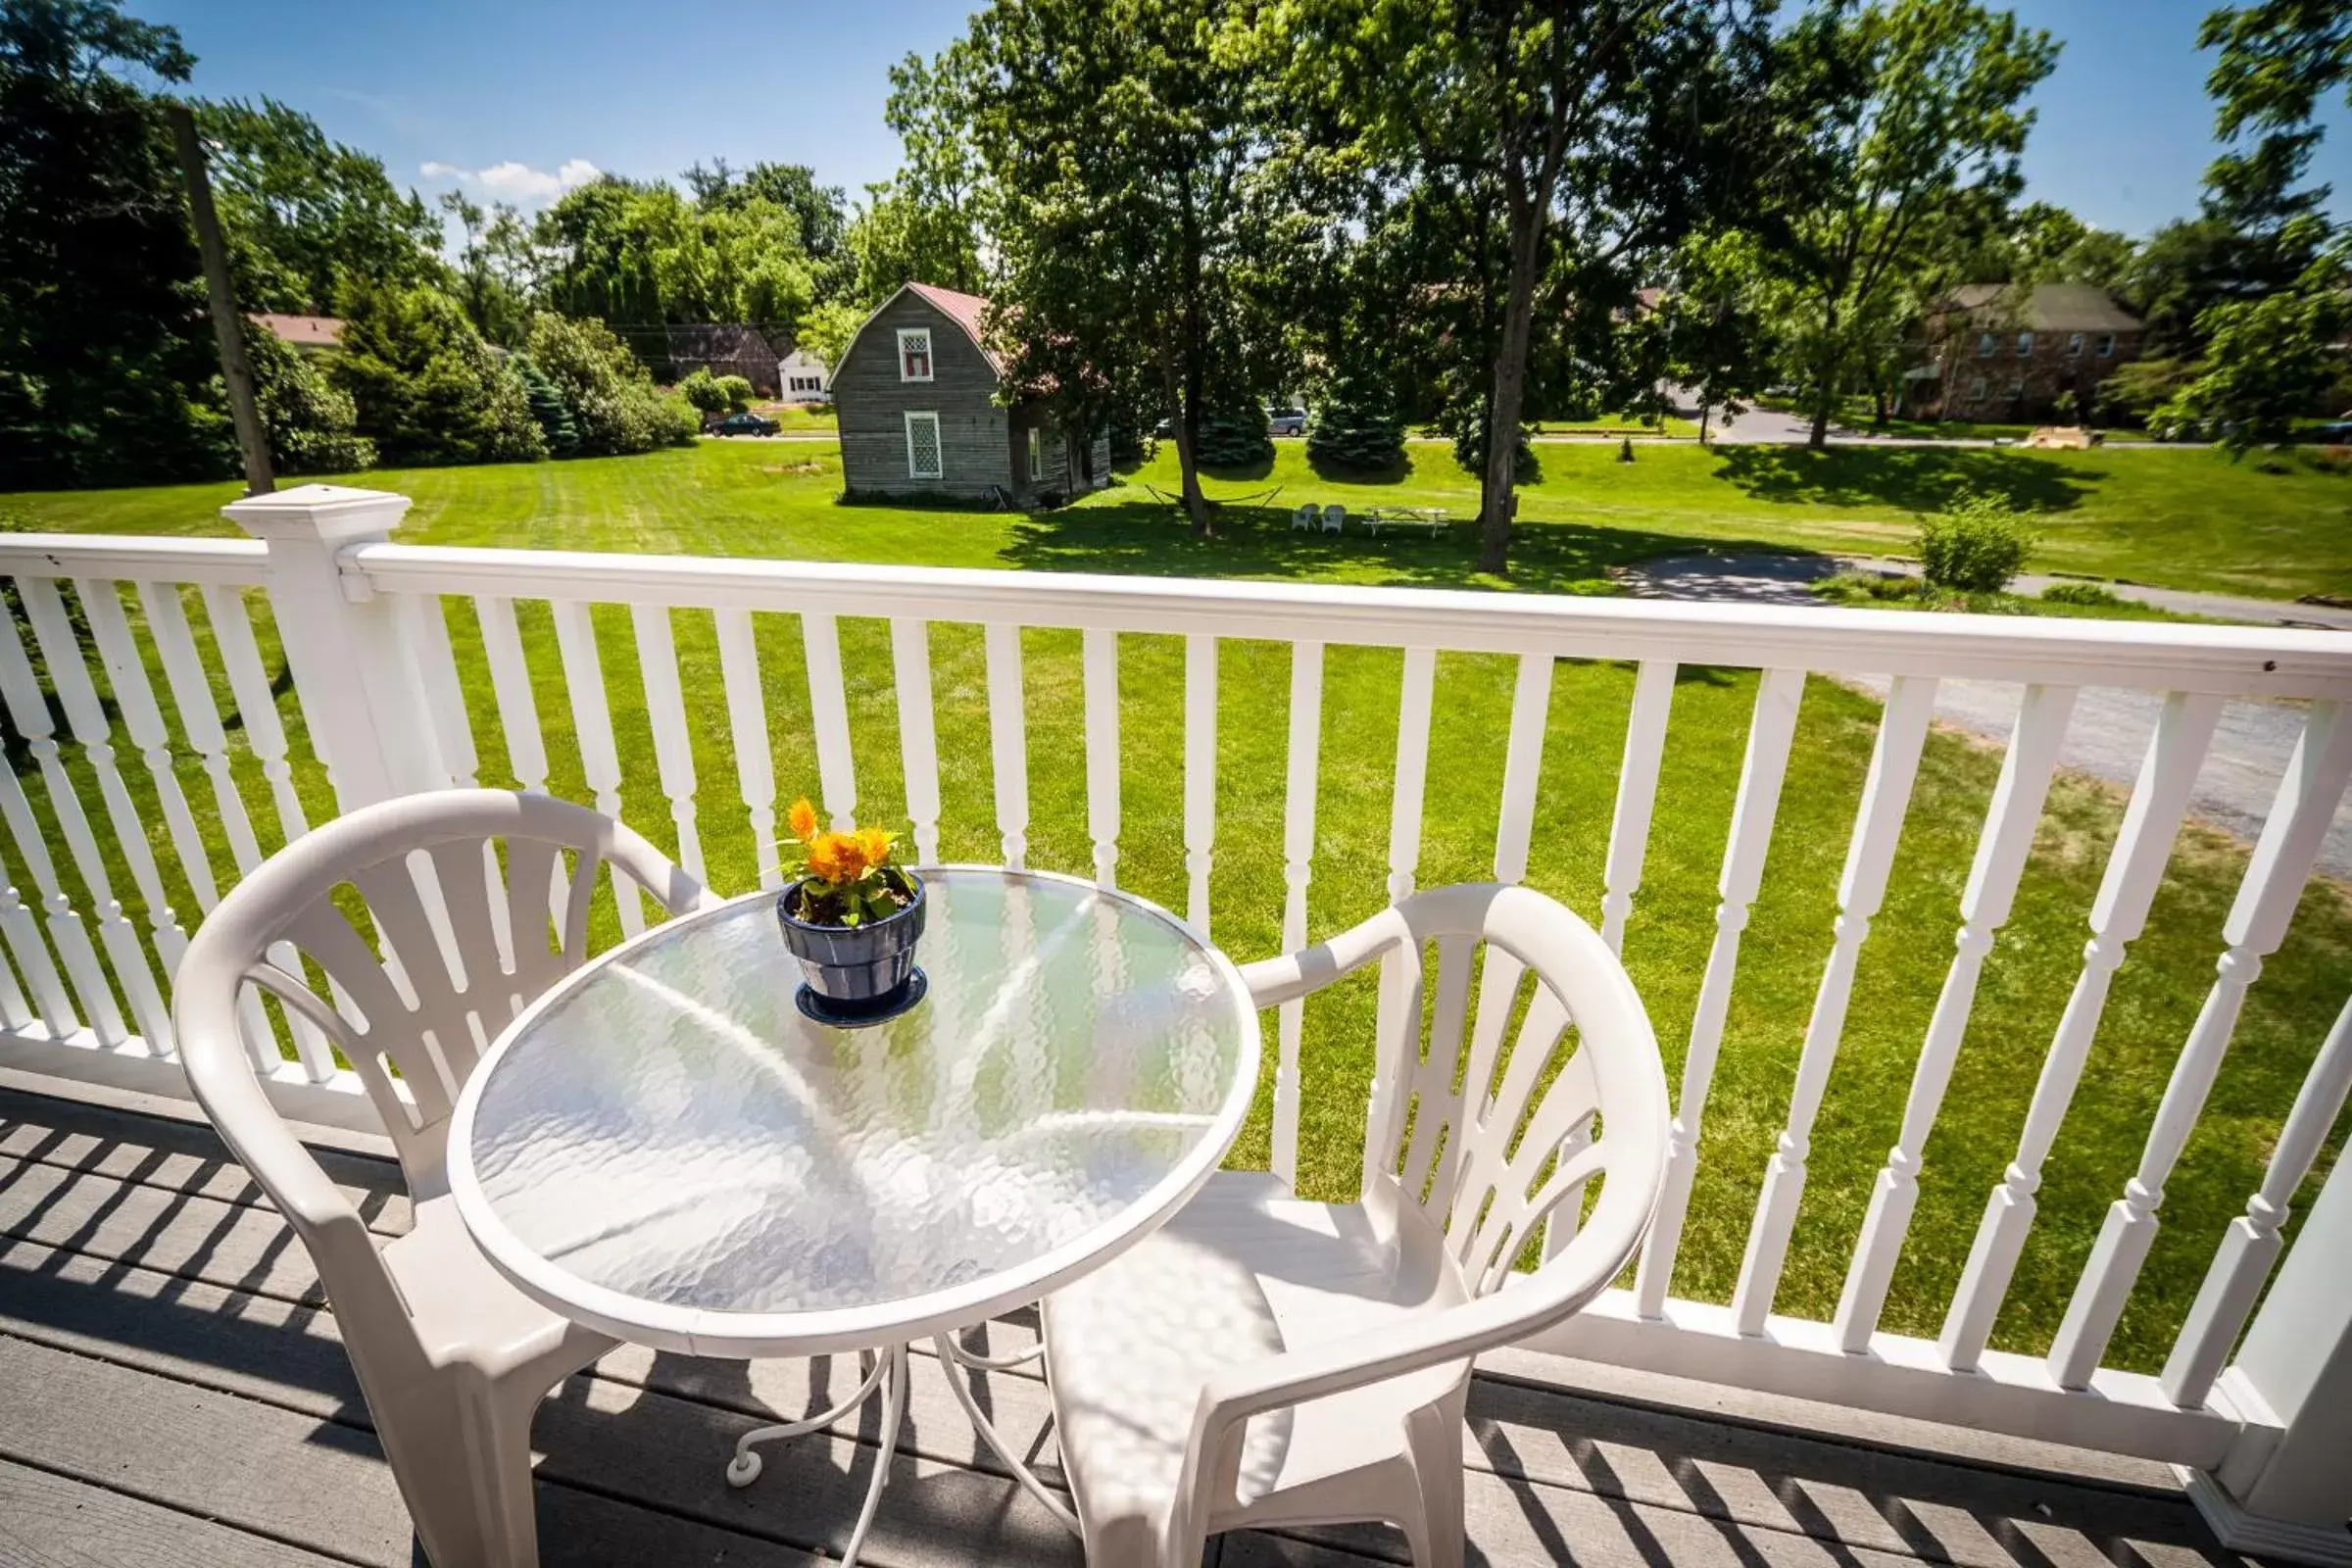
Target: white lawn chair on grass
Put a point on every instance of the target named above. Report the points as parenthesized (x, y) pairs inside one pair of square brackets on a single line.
[(452, 1359), (1334, 516), (1264, 1361), (1303, 516)]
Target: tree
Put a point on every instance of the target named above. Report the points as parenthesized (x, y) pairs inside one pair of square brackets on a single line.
[(548, 408), (1354, 423), (2270, 360), (826, 330), (1713, 323), (923, 226), (104, 349), (310, 423), (1917, 132), (613, 402), (303, 212), (427, 388), (1601, 133), (818, 213), (1124, 150)]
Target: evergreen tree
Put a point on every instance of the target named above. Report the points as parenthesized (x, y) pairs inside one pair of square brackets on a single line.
[(1354, 424), (426, 387), (548, 408), (1234, 435)]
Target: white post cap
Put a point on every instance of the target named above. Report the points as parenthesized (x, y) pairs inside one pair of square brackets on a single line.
[(329, 514)]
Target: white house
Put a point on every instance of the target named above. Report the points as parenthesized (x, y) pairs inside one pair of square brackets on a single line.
[(804, 378)]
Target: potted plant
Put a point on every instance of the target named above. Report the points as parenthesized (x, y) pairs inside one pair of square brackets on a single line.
[(851, 917)]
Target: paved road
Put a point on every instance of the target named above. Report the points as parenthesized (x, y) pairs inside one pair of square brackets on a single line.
[(2109, 733)]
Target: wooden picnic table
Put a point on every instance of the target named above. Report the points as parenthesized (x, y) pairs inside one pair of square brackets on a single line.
[(1434, 519)]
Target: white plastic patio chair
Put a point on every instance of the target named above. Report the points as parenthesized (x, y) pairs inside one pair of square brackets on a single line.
[(1304, 516), (1335, 516), (1264, 1361), (452, 1359)]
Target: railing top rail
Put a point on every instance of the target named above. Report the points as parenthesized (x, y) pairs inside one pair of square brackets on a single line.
[(236, 563), (2229, 661)]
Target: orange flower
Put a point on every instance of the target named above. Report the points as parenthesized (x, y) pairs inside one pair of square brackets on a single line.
[(836, 857), (802, 819), (874, 845)]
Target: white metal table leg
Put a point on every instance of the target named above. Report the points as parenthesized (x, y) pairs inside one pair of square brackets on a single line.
[(955, 1356), (886, 1371)]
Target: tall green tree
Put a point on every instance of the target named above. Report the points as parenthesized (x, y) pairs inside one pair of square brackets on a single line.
[(923, 226), (103, 348), (642, 256), (426, 387), (1917, 134), (301, 212), (1126, 152), (1602, 133)]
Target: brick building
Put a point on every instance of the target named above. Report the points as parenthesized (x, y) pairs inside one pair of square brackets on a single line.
[(1995, 354)]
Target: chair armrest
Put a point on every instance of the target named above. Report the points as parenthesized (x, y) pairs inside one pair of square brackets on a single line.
[(1292, 975)]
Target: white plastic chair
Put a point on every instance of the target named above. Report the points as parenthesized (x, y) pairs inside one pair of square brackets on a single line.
[(1304, 516), (1264, 1361), (452, 1359), (1335, 516)]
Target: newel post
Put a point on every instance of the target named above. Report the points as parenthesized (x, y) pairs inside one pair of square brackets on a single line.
[(2285, 1490), (357, 687)]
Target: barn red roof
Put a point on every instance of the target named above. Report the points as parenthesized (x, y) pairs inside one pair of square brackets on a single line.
[(965, 311)]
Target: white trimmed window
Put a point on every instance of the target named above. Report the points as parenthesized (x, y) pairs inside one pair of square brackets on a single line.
[(2106, 345), (924, 458), (1037, 454), (2073, 345), (1976, 390), (1988, 345), (915, 354), (2025, 344)]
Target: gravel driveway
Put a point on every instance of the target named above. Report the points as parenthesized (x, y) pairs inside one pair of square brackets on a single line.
[(2109, 733)]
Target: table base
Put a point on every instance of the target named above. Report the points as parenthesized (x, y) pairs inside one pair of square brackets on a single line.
[(885, 1372)]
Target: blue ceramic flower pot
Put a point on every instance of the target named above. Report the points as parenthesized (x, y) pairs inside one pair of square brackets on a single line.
[(860, 970)]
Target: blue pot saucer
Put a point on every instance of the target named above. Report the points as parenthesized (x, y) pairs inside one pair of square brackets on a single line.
[(863, 1014)]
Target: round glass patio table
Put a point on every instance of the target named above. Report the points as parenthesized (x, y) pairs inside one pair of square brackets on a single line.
[(666, 1148)]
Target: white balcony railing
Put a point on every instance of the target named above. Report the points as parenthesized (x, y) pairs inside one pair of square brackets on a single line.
[(378, 704)]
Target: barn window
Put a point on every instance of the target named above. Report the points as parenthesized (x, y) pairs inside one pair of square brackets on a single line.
[(923, 456), (1976, 390), (1988, 345), (1037, 454), (2025, 344), (2106, 345), (915, 354)]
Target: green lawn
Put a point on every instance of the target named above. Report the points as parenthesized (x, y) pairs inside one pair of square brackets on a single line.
[(1584, 515), (2180, 518)]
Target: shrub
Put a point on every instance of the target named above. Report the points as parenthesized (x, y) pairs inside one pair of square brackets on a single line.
[(2080, 593), (1974, 546), (1354, 425), (424, 385), (702, 389), (613, 403), (1465, 424), (309, 420), (736, 390), (1233, 435)]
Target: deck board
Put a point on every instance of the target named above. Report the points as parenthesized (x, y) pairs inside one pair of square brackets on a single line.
[(172, 1388)]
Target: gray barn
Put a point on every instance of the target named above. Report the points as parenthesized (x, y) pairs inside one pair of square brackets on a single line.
[(924, 412)]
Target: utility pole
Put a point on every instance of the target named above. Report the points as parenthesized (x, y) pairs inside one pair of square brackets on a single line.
[(236, 371)]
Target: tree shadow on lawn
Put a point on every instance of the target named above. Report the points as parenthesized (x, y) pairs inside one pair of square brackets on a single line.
[(1140, 538), (1910, 479), (1331, 473)]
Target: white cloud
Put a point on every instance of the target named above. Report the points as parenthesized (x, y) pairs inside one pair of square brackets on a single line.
[(511, 181)]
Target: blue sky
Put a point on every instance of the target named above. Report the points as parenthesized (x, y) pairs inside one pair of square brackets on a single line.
[(515, 98)]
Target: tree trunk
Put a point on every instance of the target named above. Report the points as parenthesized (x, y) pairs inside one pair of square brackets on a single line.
[(1499, 494), (1704, 409), (1825, 395), (1185, 405)]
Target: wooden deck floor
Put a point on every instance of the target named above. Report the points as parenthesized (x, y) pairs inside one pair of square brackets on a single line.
[(171, 1390)]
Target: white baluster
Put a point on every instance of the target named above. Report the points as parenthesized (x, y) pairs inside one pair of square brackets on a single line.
[(1869, 858), (1199, 771), (143, 721), (665, 709), (16, 1013), (746, 721), (199, 715), (1400, 972), (257, 713), (1768, 735), (1007, 739), (1636, 794), (592, 724), (1522, 766), (511, 685), (2001, 852), (918, 745), (2252, 1242), (256, 705), (2134, 868), (829, 711), (1101, 657), (65, 925), (61, 651), (424, 631), (1298, 858), (2273, 882)]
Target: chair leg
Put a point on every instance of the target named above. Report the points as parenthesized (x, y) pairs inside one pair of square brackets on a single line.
[(464, 1462), (1434, 1443)]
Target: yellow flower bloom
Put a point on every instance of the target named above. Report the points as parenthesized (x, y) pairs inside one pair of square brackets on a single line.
[(802, 819), (836, 857), (874, 844)]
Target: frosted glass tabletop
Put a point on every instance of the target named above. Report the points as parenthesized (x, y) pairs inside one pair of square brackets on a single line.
[(664, 1147)]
